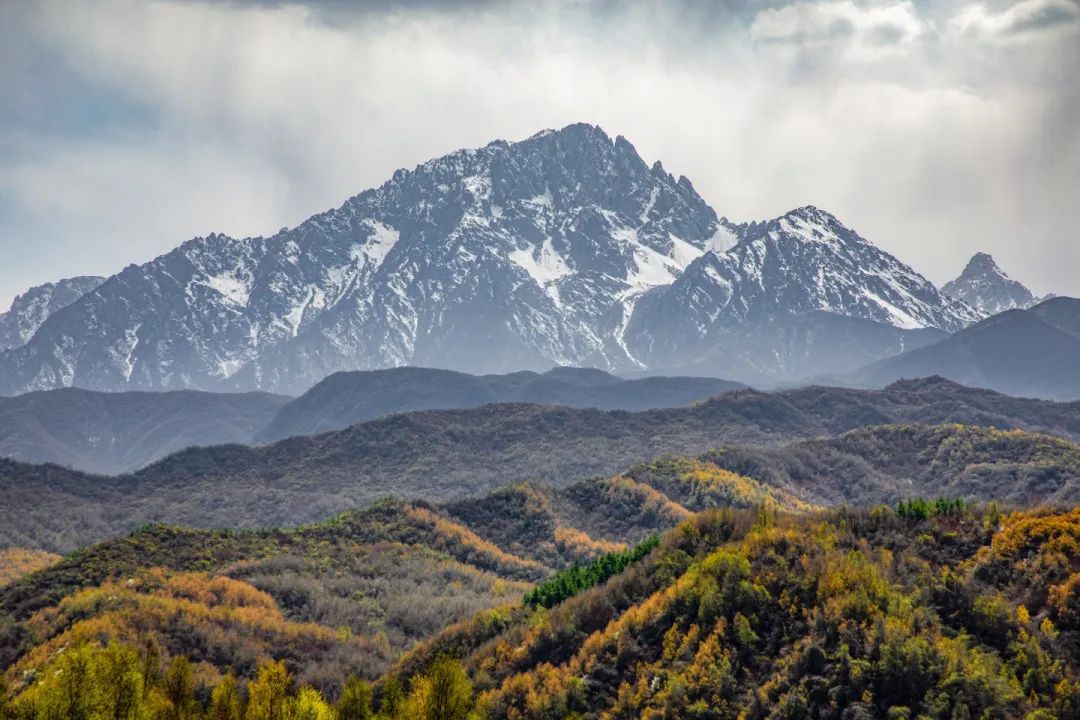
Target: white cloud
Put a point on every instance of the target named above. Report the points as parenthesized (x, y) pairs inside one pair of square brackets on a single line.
[(254, 117)]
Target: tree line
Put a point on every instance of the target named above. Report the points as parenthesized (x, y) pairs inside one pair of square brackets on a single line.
[(119, 682)]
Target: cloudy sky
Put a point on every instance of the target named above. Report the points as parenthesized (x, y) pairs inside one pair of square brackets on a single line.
[(935, 129)]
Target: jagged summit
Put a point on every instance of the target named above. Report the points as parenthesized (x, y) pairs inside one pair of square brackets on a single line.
[(986, 287), (555, 250), (30, 309), (514, 255)]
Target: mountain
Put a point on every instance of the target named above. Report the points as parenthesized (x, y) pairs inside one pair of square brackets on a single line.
[(111, 433), (32, 308), (563, 249), (1020, 352), (753, 295), (347, 398), (795, 348), (513, 256), (453, 454), (985, 287)]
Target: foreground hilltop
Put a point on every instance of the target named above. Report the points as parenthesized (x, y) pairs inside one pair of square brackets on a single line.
[(935, 610), (931, 611)]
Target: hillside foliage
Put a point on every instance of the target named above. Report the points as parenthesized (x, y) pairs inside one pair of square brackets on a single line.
[(960, 612)]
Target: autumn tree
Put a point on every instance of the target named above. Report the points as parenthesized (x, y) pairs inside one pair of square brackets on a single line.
[(179, 690), (268, 693), (355, 701), (443, 693), (225, 700), (7, 712), (120, 683), (393, 699), (309, 705)]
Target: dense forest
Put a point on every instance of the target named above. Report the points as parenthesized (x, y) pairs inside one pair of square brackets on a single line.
[(932, 609), (351, 594)]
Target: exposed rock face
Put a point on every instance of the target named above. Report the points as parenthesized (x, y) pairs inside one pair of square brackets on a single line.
[(985, 286), (562, 249), (34, 307)]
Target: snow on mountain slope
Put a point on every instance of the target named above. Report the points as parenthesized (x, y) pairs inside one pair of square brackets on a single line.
[(515, 255), (562, 249), (802, 262), (33, 307), (985, 287)]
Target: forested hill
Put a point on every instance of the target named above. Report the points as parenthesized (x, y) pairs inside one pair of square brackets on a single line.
[(351, 593), (443, 455), (935, 611)]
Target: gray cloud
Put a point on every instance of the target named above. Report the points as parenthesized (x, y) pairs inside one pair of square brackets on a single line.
[(1023, 20), (138, 125)]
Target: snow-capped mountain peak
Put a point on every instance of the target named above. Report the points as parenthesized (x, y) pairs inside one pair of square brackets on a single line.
[(986, 287), (509, 256), (555, 250), (805, 261)]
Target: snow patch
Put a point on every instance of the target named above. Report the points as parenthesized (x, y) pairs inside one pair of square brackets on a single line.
[(231, 288), (382, 240), (722, 240), (545, 266), (545, 200), (897, 317), (650, 205), (683, 253)]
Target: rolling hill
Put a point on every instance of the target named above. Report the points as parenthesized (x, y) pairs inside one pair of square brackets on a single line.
[(943, 609), (348, 398), (452, 454), (112, 433), (360, 571)]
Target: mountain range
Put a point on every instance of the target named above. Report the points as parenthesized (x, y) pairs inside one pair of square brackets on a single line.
[(562, 249), (453, 454), (119, 432)]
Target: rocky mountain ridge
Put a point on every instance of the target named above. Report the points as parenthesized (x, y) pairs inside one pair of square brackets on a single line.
[(563, 249)]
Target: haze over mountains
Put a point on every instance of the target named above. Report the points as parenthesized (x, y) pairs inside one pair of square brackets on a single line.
[(112, 433), (344, 399), (119, 432), (1029, 352), (562, 249)]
